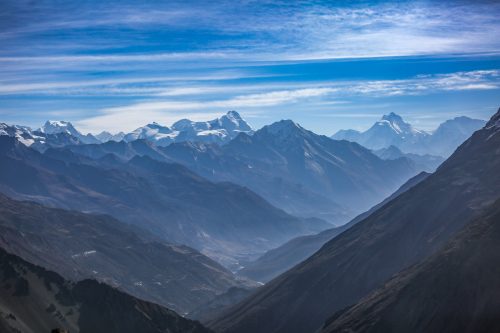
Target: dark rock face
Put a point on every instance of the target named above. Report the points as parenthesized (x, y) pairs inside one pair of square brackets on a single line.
[(86, 306), (399, 234), (455, 290)]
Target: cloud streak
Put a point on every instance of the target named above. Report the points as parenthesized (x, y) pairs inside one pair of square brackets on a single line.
[(167, 111)]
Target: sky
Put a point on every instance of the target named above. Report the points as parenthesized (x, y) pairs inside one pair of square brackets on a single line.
[(328, 65)]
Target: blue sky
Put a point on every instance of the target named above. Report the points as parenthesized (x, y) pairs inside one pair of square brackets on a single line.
[(328, 65)]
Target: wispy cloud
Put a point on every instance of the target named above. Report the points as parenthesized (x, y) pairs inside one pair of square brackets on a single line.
[(127, 62), (256, 30), (168, 111)]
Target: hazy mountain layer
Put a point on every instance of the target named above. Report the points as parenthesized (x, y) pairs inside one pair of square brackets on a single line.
[(427, 163), (304, 173), (223, 220), (284, 257), (392, 130), (80, 246)]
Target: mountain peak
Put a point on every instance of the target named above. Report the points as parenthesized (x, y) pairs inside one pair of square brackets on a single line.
[(154, 124), (283, 126), (56, 126), (393, 117), (60, 126), (234, 114), (397, 124), (233, 121)]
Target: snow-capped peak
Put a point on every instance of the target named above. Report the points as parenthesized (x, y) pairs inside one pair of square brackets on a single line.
[(218, 130), (60, 126), (397, 124), (393, 117), (232, 121)]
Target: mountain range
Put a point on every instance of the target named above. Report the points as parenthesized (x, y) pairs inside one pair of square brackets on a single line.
[(401, 233), (116, 222), (299, 171), (81, 246), (319, 177), (219, 130), (223, 220), (392, 130)]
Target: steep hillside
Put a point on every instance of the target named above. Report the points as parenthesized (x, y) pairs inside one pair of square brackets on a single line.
[(34, 300), (455, 290)]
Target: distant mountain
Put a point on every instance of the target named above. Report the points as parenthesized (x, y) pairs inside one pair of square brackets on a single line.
[(284, 257), (223, 220), (105, 136), (427, 163), (56, 127), (34, 300), (324, 179), (451, 133), (38, 140), (301, 172), (455, 290), (280, 174), (219, 130), (392, 130), (403, 232), (80, 246)]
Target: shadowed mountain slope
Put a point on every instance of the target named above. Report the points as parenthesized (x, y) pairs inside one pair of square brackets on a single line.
[(455, 290)]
